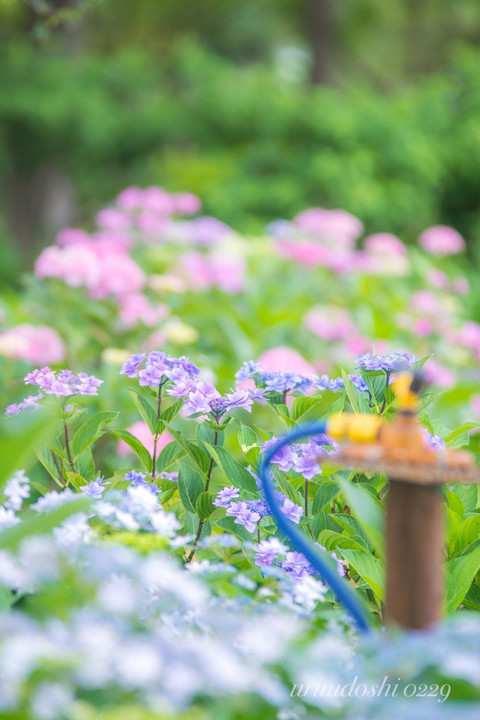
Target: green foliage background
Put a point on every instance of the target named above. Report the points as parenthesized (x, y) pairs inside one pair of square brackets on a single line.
[(117, 93)]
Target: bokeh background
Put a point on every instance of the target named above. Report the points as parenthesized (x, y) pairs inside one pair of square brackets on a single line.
[(261, 107)]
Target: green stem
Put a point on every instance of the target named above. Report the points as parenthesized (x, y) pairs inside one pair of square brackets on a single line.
[(306, 498), (156, 437), (59, 470), (202, 522), (67, 446), (382, 409)]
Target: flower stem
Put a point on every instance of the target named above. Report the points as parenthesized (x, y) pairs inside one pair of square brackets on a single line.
[(202, 522), (58, 468), (382, 409), (156, 437), (67, 446), (306, 498)]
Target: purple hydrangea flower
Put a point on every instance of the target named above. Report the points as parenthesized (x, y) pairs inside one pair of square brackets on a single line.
[(62, 384), (239, 399), (268, 551), (247, 370), (284, 457), (433, 442), (136, 478), (156, 368), (260, 507), (388, 363), (225, 496), (94, 489), (173, 476), (296, 564), (243, 515), (292, 511)]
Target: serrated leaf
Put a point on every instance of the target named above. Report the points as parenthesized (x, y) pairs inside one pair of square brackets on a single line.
[(337, 406), (370, 569), (76, 480), (460, 574), (190, 486), (85, 465), (140, 450), (90, 431)]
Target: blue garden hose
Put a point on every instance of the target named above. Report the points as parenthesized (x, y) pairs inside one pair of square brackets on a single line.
[(343, 592)]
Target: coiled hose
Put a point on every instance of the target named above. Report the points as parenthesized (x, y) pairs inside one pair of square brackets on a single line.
[(323, 566)]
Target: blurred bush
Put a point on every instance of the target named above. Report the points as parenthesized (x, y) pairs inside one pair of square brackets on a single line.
[(252, 144)]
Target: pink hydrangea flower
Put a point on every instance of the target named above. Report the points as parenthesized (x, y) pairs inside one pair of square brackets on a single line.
[(101, 265), (284, 359), (438, 374), (186, 203), (136, 308), (475, 404), (461, 285), (385, 243), (333, 226), (306, 252), (438, 279), (39, 345), (330, 323), (113, 219), (442, 240), (142, 432)]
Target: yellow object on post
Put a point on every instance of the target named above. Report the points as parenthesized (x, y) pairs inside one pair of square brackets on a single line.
[(359, 428)]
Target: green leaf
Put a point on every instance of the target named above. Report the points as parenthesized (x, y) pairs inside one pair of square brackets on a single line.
[(45, 457), (19, 440), (140, 450), (337, 406), (33, 524), (235, 473), (190, 486), (91, 431), (171, 452), (199, 457), (367, 510), (460, 574), (302, 405), (169, 413), (146, 405), (287, 489), (472, 598), (370, 569), (247, 438), (204, 506), (468, 494), (86, 465), (454, 502), (358, 402), (468, 532), (229, 524), (459, 437), (332, 540), (327, 491)]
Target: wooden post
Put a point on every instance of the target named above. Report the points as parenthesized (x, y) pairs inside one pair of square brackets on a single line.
[(415, 555)]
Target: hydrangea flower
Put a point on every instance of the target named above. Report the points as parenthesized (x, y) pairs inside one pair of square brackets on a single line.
[(388, 363), (61, 384), (95, 488), (268, 551), (292, 511), (16, 491), (225, 496), (243, 515), (154, 369), (204, 398)]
